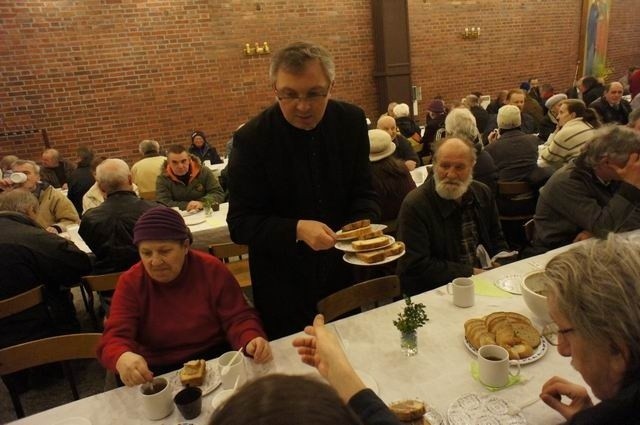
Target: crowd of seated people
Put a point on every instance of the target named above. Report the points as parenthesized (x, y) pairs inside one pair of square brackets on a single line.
[(525, 134)]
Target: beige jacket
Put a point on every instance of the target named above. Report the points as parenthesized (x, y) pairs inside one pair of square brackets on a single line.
[(145, 172), (56, 208)]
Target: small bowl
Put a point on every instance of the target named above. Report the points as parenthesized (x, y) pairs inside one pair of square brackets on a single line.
[(532, 286)]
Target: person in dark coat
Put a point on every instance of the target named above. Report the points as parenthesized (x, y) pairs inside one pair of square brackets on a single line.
[(611, 107), (436, 113), (202, 149), (516, 97), (443, 221), (299, 171), (590, 89), (407, 126), (404, 149), (550, 121), (479, 113), (81, 178)]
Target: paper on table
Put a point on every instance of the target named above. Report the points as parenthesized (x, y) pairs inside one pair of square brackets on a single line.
[(488, 289), (216, 222)]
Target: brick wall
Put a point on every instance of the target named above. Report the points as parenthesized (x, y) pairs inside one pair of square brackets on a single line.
[(109, 73)]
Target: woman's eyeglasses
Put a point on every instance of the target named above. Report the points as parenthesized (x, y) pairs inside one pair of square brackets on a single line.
[(552, 332)]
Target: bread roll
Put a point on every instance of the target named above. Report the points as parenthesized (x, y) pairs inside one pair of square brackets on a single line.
[(527, 333), (193, 373)]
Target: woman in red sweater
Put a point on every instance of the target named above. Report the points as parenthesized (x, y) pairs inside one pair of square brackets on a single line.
[(175, 305)]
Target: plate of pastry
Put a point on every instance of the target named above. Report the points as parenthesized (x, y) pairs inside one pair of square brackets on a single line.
[(510, 330), (197, 373), (483, 409), (375, 257)]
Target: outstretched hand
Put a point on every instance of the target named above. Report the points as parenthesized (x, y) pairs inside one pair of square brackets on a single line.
[(133, 369), (321, 349), (316, 234), (556, 387)]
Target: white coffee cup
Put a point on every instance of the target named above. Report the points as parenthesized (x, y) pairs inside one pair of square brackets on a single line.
[(463, 290), (235, 371), (18, 178), (494, 366), (157, 404)]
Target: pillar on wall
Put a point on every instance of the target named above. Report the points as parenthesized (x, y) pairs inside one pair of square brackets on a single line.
[(392, 72)]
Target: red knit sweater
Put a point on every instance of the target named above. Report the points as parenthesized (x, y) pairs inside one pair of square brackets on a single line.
[(169, 323)]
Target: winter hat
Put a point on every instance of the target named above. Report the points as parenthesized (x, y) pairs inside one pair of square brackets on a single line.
[(199, 133), (525, 86), (551, 102), (509, 117), (380, 145), (436, 106), (160, 223)]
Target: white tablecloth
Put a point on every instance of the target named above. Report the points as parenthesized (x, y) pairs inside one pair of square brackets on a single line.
[(438, 374)]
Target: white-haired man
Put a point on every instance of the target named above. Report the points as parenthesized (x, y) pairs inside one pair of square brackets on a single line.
[(444, 220), (108, 228), (145, 172), (55, 170)]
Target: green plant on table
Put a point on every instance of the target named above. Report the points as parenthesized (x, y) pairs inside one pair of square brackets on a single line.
[(412, 317)]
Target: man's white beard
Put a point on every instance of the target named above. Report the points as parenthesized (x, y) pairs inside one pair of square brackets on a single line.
[(452, 189)]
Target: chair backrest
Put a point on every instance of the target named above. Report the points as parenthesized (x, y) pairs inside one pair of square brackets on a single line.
[(228, 249), (369, 292), (513, 188), (21, 302), (48, 350), (102, 282), (149, 196)]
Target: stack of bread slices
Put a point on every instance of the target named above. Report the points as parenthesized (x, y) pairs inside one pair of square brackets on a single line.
[(371, 246), (510, 330)]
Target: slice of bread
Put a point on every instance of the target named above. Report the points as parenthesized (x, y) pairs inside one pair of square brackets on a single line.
[(361, 245), (356, 225), (193, 373), (353, 234), (527, 333), (378, 255), (372, 234), (408, 410)]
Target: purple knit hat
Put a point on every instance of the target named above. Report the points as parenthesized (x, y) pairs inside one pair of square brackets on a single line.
[(160, 223)]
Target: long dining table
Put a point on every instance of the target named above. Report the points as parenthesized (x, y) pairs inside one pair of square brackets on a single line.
[(439, 374)]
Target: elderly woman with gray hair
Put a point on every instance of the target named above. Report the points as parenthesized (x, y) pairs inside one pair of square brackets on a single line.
[(594, 298)]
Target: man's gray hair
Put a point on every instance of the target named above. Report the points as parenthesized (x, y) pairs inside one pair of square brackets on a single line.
[(597, 287), (18, 200), (440, 143), (36, 167), (615, 142), (112, 175), (633, 117), (7, 161), (461, 123), (401, 110), (149, 146), (472, 100), (294, 58), (53, 152)]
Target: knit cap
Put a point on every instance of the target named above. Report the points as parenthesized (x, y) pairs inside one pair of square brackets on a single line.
[(160, 223), (509, 117)]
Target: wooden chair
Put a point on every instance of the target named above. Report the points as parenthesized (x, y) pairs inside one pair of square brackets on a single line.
[(99, 282), (149, 196), (232, 255), (518, 194), (361, 295), (21, 302), (44, 351)]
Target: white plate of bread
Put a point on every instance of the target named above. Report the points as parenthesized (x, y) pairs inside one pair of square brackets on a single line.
[(510, 330), (358, 229), (375, 257), (197, 373)]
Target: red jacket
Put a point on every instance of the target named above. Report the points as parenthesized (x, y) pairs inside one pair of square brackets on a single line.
[(169, 323)]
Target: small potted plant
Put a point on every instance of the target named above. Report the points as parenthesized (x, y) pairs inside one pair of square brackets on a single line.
[(409, 320)]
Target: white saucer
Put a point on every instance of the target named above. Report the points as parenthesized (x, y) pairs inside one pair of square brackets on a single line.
[(510, 283), (347, 247), (193, 220), (351, 258)]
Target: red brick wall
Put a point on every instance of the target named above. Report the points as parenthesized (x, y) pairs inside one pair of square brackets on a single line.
[(109, 73)]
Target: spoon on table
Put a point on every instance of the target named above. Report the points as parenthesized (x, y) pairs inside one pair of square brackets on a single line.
[(517, 408), (225, 368)]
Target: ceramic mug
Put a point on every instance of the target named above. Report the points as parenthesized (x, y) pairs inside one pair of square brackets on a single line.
[(236, 371), (463, 291), (495, 367), (157, 399)]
